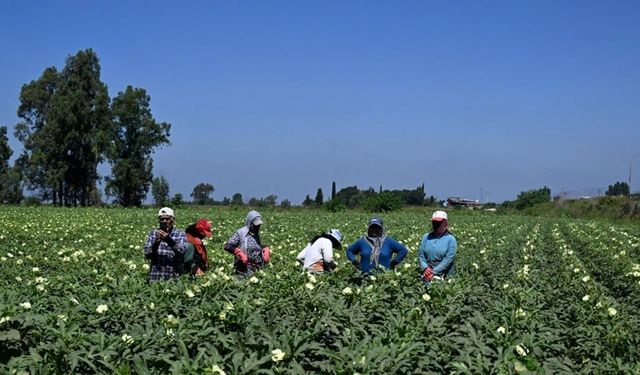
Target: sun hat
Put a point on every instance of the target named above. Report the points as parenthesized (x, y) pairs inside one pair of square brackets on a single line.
[(336, 238), (257, 221), (165, 211), (204, 227), (439, 216)]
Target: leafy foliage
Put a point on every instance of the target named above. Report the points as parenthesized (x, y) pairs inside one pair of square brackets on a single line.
[(308, 202), (319, 197), (66, 130), (268, 201), (388, 200), (137, 134), (619, 188), (530, 198), (160, 190), (531, 296), (177, 200), (201, 193), (383, 202), (236, 200), (10, 177)]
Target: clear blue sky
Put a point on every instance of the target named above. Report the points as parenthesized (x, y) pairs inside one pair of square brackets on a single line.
[(283, 97)]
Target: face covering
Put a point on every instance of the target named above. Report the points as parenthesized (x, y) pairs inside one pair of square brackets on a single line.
[(376, 237), (439, 227)]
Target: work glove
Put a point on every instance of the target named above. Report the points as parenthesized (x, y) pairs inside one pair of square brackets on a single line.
[(356, 264), (169, 241), (266, 254), (427, 275), (241, 256), (394, 263)]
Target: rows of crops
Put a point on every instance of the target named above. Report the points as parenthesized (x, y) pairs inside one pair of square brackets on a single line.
[(541, 295)]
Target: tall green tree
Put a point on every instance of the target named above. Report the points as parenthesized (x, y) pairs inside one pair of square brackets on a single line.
[(333, 190), (270, 200), (66, 129), (136, 135), (42, 157), (177, 200), (319, 197), (349, 196), (160, 190), (201, 193), (5, 150), (236, 200), (10, 186)]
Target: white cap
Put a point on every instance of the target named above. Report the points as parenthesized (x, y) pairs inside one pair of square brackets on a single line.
[(439, 216), (336, 234), (165, 211)]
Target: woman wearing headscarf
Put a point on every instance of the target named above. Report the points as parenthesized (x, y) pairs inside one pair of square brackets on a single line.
[(245, 245), (376, 249), (317, 257), (437, 252), (196, 260)]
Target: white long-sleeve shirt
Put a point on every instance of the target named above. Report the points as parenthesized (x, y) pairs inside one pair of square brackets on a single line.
[(321, 250)]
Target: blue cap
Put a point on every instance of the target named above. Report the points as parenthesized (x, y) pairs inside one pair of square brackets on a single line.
[(376, 221)]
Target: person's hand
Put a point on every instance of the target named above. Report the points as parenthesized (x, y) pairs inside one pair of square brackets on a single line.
[(356, 264), (160, 235), (169, 241), (199, 272), (393, 264), (427, 275), (266, 254), (241, 256)]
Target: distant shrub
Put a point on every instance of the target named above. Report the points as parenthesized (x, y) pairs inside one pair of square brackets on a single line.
[(383, 202), (31, 201)]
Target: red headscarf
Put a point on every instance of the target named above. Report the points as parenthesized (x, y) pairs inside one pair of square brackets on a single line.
[(197, 243), (204, 228)]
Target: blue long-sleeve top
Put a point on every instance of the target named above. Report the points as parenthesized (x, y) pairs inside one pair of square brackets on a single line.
[(438, 252), (364, 249)]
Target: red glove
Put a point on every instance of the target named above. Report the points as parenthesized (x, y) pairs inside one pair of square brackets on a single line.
[(241, 256), (427, 275), (266, 254)]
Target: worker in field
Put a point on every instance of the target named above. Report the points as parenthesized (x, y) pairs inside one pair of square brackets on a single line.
[(165, 247), (437, 252), (196, 259), (246, 246), (376, 250), (317, 257)]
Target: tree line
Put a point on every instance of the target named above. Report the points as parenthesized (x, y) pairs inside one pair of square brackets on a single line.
[(201, 195), (69, 125), (351, 197)]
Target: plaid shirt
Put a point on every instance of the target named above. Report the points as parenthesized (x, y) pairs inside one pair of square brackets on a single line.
[(166, 262)]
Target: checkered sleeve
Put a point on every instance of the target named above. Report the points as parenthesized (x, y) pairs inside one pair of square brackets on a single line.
[(180, 239), (148, 245)]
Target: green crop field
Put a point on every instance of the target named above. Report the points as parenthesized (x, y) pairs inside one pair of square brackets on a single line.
[(532, 295)]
